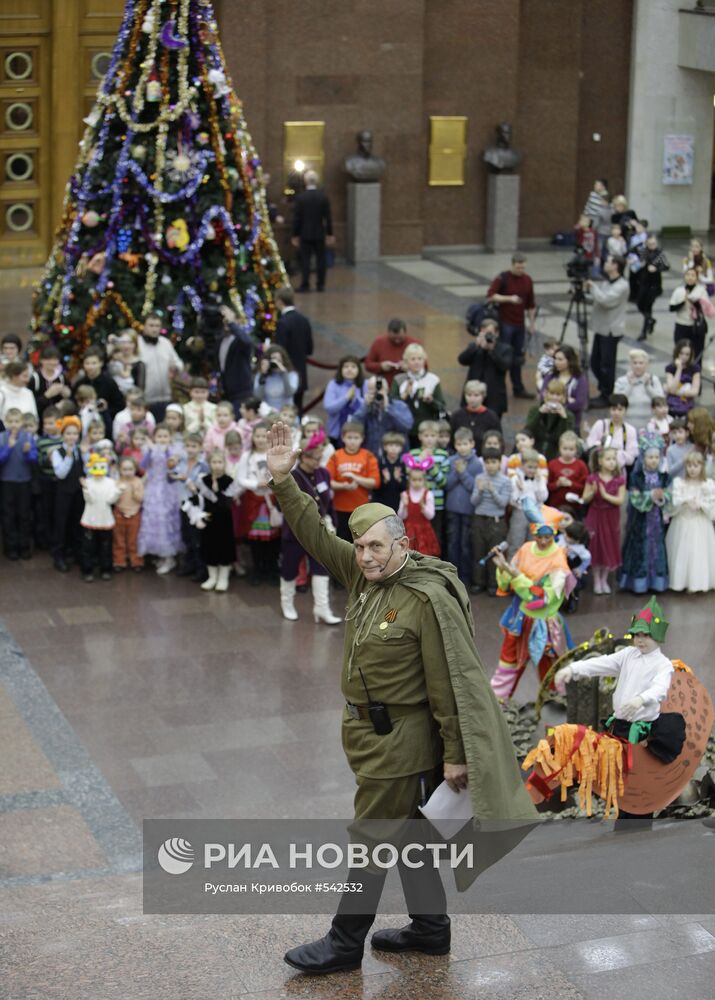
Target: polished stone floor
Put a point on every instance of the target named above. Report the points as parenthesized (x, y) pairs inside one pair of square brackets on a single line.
[(145, 697)]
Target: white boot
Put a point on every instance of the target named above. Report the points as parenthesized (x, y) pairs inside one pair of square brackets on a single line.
[(210, 583), (222, 579), (321, 603), (288, 599)]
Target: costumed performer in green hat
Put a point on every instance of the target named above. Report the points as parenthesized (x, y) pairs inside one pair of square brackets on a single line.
[(644, 675)]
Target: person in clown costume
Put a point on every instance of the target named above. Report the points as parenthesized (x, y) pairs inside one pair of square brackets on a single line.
[(533, 628), (644, 674)]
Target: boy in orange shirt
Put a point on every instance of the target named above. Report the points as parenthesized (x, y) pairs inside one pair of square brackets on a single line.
[(353, 473)]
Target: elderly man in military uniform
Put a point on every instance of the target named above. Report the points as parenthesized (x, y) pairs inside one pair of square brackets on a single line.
[(418, 704)]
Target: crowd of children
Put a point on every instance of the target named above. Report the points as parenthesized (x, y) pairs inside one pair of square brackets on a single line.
[(104, 485)]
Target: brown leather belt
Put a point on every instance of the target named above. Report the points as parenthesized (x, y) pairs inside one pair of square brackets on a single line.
[(394, 711)]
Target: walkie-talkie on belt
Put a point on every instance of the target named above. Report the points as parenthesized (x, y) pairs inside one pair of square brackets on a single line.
[(377, 710)]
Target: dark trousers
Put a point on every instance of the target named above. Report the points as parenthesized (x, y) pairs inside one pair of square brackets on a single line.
[(682, 332), (292, 553), (514, 335), (486, 533), (44, 527), (603, 362), (191, 537), (158, 410), (96, 550), (16, 517), (645, 301), (67, 538), (265, 557), (308, 249), (341, 527), (459, 544)]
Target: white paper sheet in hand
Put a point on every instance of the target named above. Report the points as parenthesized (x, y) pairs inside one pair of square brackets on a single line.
[(448, 811)]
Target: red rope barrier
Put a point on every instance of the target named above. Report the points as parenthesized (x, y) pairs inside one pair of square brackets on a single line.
[(323, 364)]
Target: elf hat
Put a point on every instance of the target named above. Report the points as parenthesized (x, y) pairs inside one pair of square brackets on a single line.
[(650, 621)]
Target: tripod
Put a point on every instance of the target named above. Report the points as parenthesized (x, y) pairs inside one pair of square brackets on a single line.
[(577, 305)]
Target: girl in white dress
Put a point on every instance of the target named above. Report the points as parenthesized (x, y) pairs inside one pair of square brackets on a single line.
[(690, 541)]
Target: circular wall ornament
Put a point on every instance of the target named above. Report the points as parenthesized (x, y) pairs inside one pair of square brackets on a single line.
[(18, 65), (19, 167), (19, 217), (19, 116), (100, 64)]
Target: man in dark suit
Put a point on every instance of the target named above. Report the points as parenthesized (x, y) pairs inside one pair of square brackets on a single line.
[(312, 230), (235, 352), (294, 332)]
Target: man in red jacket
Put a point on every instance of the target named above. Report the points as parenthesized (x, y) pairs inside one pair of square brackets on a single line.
[(385, 355), (513, 292)]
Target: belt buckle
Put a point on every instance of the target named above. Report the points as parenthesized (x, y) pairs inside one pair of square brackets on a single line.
[(353, 710)]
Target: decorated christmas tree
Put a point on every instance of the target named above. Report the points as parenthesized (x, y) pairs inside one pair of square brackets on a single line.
[(166, 209)]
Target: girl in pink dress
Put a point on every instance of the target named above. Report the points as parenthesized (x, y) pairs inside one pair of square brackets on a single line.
[(417, 508), (605, 492)]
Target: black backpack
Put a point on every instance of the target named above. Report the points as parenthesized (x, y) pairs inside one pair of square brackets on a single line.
[(479, 311)]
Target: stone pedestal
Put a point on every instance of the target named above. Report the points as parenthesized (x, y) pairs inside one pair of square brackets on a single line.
[(502, 212), (363, 233)]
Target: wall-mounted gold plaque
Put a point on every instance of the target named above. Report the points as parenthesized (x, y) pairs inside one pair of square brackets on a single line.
[(303, 145), (447, 150)]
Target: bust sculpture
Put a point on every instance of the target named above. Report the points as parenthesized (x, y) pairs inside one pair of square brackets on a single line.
[(362, 166), (502, 159)]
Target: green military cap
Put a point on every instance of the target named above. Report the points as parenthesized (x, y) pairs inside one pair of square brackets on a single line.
[(650, 620), (363, 517)]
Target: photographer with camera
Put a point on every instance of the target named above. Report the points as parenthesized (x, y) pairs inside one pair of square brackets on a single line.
[(380, 414), (489, 359), (235, 350), (275, 382), (608, 321), (513, 292)]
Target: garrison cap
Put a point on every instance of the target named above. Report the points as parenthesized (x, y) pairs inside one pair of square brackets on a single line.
[(363, 517)]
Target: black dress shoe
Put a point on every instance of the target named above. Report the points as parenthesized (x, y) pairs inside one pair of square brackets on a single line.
[(476, 589), (411, 938), (303, 288), (523, 394), (13, 556), (598, 403), (26, 554), (326, 955), (61, 566)]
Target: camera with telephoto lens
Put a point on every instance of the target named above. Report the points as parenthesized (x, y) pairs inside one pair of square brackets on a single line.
[(379, 387), (490, 338), (272, 366), (578, 268)]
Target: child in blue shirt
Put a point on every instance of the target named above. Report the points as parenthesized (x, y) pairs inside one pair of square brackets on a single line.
[(464, 466), (18, 454)]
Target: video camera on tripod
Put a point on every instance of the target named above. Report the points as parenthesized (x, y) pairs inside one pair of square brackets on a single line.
[(578, 270)]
